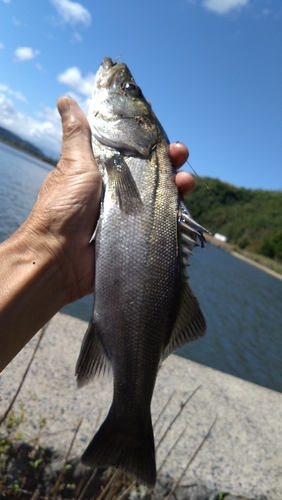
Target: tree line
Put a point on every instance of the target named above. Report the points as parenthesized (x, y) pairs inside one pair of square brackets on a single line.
[(251, 219)]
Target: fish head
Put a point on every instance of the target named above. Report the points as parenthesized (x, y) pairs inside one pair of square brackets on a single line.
[(119, 115)]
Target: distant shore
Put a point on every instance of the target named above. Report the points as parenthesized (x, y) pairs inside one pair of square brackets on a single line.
[(24, 150), (260, 261)]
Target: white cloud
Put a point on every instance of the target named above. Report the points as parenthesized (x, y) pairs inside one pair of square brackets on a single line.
[(44, 131), (72, 12), (25, 53), (224, 6), (6, 1), (39, 67), (76, 37), (1, 45), (73, 78), (16, 21), (14, 93)]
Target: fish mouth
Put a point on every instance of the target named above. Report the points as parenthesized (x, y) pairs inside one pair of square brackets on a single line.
[(107, 73)]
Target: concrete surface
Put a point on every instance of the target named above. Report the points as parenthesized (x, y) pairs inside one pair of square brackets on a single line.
[(242, 455)]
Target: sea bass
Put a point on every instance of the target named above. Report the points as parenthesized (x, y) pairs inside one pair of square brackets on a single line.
[(143, 306)]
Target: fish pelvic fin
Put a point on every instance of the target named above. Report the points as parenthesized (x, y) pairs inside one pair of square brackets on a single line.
[(190, 323), (122, 186), (129, 448), (92, 360)]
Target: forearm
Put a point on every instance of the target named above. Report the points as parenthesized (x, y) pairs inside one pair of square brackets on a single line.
[(31, 290)]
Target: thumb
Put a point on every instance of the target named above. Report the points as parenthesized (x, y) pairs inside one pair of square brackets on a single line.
[(76, 147)]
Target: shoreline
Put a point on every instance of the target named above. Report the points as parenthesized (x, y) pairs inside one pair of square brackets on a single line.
[(258, 265), (39, 157), (233, 250)]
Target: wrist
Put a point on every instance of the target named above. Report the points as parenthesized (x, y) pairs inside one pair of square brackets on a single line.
[(32, 279), (42, 257), (31, 291)]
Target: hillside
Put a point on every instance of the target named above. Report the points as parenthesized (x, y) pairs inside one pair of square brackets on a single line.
[(17, 142), (251, 219)]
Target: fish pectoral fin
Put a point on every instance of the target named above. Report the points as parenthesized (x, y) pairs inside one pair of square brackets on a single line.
[(93, 237), (92, 360), (190, 323), (122, 186)]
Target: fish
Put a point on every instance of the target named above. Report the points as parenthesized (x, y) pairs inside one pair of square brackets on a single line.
[(144, 308)]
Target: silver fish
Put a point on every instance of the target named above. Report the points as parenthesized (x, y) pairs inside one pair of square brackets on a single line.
[(143, 306)]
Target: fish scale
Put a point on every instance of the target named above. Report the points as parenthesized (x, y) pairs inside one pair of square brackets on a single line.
[(143, 306)]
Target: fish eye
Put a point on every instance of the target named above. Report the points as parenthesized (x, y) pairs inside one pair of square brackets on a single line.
[(131, 88)]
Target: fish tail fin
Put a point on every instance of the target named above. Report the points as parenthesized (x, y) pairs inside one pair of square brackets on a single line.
[(129, 448)]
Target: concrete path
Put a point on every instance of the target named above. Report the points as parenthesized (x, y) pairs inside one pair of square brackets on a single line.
[(242, 455)]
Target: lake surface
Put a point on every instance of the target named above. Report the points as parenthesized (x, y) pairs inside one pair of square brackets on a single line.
[(241, 303)]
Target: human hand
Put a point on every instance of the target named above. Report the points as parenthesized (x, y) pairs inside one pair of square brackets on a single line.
[(69, 200), (179, 154)]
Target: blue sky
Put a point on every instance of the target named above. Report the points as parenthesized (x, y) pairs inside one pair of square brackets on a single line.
[(211, 68)]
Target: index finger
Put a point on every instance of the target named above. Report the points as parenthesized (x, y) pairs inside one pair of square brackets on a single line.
[(179, 153)]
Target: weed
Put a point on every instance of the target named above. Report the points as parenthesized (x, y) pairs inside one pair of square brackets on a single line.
[(36, 463)]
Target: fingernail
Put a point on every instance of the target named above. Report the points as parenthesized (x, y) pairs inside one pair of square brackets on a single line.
[(63, 105)]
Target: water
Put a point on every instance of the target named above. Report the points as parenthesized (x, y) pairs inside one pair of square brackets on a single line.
[(242, 307), (21, 176), (241, 303)]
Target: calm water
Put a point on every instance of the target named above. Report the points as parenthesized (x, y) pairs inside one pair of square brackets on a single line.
[(242, 304)]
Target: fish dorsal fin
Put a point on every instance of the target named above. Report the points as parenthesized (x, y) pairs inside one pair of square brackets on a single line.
[(190, 323), (92, 360), (122, 186), (190, 230)]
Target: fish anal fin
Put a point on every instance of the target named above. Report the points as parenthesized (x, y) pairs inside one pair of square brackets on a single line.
[(130, 449), (122, 186), (190, 323), (92, 360)]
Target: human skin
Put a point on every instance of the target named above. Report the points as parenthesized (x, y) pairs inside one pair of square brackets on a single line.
[(48, 262)]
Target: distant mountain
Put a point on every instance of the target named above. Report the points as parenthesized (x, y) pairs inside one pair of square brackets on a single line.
[(16, 141), (250, 218), (11, 137)]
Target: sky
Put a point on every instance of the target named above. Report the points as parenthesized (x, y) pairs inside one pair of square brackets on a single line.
[(211, 68)]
